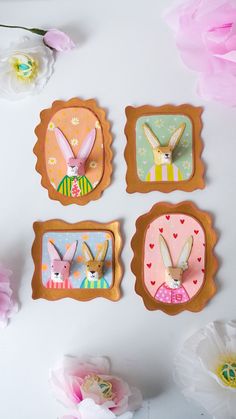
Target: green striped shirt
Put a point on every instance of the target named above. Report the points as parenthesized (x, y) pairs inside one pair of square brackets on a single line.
[(66, 184), (100, 283)]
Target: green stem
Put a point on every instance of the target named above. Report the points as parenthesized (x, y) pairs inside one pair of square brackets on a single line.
[(34, 30)]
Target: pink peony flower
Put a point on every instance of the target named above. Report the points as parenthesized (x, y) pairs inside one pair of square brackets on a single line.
[(58, 40), (77, 383), (7, 305), (205, 34)]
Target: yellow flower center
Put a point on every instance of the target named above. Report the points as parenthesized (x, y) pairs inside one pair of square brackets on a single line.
[(227, 372), (94, 383), (24, 67)]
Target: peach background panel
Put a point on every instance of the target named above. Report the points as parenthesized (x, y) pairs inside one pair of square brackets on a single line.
[(75, 123), (154, 276)]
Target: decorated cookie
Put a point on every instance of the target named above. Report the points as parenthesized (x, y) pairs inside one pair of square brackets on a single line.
[(173, 262), (79, 260), (73, 151), (164, 148)]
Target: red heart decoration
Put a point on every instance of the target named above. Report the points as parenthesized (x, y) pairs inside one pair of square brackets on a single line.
[(199, 259), (151, 245), (175, 235), (167, 217), (203, 271), (161, 230), (149, 265), (153, 282), (195, 281), (196, 231), (182, 221)]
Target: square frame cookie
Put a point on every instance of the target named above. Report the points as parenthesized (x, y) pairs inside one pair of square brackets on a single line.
[(164, 147), (80, 260)]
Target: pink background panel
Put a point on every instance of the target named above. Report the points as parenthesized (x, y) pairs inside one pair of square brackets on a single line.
[(175, 228)]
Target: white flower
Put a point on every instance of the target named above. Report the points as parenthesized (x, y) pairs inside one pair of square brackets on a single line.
[(186, 164), (51, 126), (205, 369), (88, 409), (74, 141), (25, 67), (52, 161), (171, 129), (184, 142), (93, 164), (141, 151), (75, 121), (159, 123), (97, 125)]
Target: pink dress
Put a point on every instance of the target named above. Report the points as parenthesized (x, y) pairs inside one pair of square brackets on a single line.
[(172, 296)]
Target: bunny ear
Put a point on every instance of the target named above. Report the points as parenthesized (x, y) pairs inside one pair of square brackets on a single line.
[(153, 140), (63, 144), (87, 145), (68, 256), (87, 252), (165, 252), (174, 139), (102, 251), (185, 252), (53, 253)]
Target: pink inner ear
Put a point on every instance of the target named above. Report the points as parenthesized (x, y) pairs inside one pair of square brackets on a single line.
[(87, 145), (70, 252)]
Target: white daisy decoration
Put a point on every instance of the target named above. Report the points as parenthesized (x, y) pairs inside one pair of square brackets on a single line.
[(52, 161), (97, 125), (205, 369), (172, 128), (93, 164), (184, 142), (159, 123), (51, 126), (186, 164), (142, 151), (75, 121), (74, 141)]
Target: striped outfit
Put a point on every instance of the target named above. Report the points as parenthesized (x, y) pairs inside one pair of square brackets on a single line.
[(65, 285), (100, 283), (66, 184), (164, 172)]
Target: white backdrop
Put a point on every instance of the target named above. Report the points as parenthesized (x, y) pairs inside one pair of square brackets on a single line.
[(126, 56)]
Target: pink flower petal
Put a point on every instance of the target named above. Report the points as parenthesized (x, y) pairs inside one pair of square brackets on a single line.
[(58, 40)]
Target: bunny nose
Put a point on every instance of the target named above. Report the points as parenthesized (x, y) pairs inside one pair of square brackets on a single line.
[(176, 280), (72, 167), (166, 155), (92, 272), (56, 273)]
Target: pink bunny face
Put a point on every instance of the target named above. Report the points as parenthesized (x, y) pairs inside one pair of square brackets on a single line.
[(75, 164), (60, 267), (60, 270)]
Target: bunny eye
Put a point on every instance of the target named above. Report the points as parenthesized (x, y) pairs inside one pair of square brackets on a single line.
[(64, 266), (99, 266)]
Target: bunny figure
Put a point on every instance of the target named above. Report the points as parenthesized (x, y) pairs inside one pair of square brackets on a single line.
[(164, 169), (94, 267), (172, 290), (60, 267), (75, 183)]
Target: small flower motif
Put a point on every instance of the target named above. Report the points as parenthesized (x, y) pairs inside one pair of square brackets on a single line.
[(93, 164), (140, 173), (142, 151), (159, 123), (97, 125), (51, 126), (74, 141), (186, 164), (171, 129), (52, 161), (75, 121), (184, 142)]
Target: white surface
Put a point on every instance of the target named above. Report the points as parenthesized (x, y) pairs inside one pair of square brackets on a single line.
[(126, 56)]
